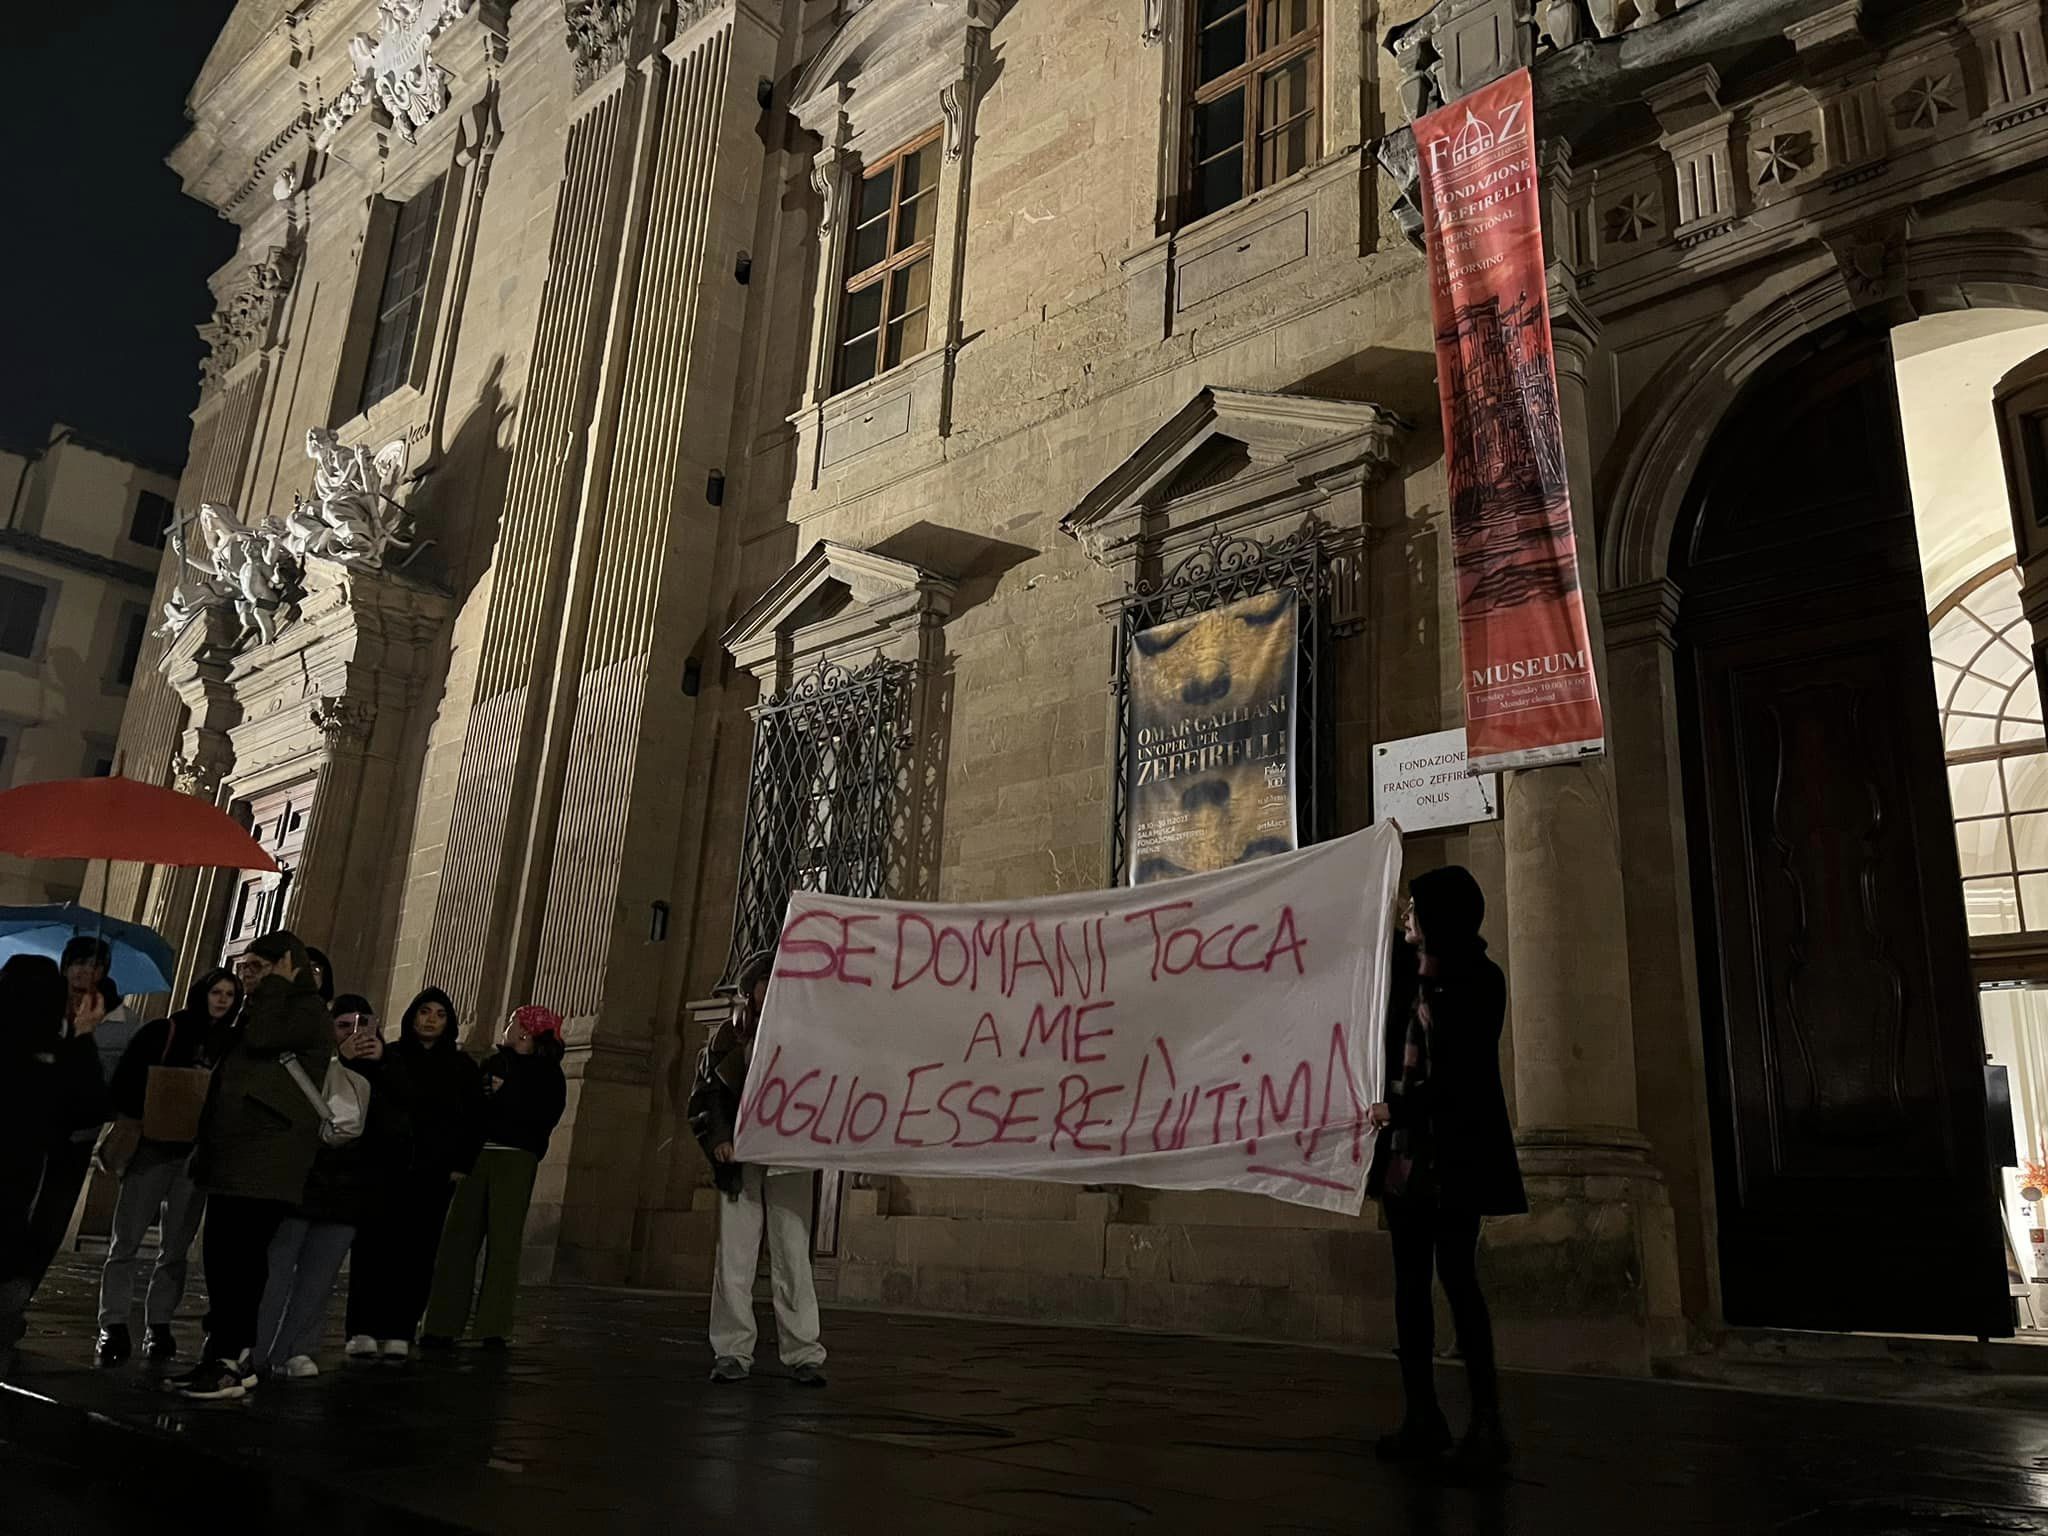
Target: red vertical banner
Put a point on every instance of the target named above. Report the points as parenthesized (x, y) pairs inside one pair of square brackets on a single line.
[(1530, 692)]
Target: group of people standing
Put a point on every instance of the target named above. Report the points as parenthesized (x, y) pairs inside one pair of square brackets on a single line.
[(1443, 1160), (442, 1166), (219, 1121)]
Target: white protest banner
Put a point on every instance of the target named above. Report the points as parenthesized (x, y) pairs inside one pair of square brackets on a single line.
[(1223, 1031)]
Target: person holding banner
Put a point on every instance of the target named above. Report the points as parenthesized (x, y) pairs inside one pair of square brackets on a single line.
[(777, 1198), (1444, 1159)]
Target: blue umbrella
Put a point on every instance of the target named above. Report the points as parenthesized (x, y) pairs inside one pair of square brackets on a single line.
[(142, 960)]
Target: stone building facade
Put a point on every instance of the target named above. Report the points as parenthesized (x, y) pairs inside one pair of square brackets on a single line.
[(79, 544), (783, 404)]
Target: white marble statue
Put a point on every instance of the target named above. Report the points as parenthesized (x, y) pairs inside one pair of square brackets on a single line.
[(351, 516), (253, 566), (195, 587)]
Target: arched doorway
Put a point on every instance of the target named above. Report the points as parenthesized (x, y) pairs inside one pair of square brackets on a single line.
[(1843, 1046)]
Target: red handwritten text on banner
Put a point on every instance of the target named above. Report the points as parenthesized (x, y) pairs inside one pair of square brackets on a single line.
[(1218, 1032)]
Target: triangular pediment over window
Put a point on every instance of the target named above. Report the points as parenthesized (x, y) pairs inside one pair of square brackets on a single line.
[(1232, 452), (836, 595)]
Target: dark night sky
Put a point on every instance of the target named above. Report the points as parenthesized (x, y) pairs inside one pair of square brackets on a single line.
[(106, 260)]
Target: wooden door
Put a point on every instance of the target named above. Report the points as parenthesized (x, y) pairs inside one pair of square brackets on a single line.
[(2020, 404), (262, 899), (1844, 1045)]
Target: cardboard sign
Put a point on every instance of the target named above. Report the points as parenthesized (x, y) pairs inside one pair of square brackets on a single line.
[(1221, 1031), (1423, 782)]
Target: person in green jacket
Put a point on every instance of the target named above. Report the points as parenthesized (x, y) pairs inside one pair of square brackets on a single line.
[(257, 1140)]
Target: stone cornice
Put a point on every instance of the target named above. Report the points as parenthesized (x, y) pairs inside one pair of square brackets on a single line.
[(35, 547), (1638, 615), (881, 75), (1293, 442), (885, 588)]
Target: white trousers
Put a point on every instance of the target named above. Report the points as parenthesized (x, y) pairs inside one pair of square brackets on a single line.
[(781, 1202)]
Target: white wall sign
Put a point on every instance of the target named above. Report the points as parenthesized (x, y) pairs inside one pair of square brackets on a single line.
[(1422, 783)]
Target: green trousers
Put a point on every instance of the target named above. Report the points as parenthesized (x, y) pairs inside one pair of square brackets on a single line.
[(488, 1215)]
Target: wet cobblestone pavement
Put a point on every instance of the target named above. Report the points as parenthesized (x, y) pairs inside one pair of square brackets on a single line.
[(601, 1420)]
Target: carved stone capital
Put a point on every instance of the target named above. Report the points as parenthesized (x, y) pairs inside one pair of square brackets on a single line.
[(200, 777), (1574, 328), (690, 12), (245, 320), (598, 35), (344, 722)]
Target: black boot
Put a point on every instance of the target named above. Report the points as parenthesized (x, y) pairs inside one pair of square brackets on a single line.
[(114, 1345), (162, 1343), (1424, 1434), (1421, 1438), (1483, 1455)]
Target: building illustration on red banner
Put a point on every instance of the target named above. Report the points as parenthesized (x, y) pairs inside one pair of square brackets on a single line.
[(1530, 692)]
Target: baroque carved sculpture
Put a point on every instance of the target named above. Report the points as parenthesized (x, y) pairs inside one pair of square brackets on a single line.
[(352, 517), (396, 66), (249, 569), (598, 34)]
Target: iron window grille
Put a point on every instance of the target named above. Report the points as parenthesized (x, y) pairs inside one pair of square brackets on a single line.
[(1224, 569), (826, 796)]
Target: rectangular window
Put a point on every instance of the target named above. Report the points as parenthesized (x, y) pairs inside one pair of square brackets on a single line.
[(402, 296), (151, 525), (128, 650), (1253, 116), (823, 795), (885, 315), (21, 616)]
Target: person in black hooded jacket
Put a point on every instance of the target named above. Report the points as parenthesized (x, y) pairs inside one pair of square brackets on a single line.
[(442, 1091), (50, 1088), (1444, 1158), (524, 1095), (155, 1185)]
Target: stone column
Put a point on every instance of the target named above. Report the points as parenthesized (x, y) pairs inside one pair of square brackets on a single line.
[(1589, 1279), (185, 904), (1671, 1071)]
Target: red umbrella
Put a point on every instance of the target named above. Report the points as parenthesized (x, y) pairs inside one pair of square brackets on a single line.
[(125, 820)]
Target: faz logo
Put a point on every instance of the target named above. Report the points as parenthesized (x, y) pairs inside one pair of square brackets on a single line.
[(1476, 136)]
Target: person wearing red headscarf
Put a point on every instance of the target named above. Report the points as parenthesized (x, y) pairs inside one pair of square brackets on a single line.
[(524, 1094)]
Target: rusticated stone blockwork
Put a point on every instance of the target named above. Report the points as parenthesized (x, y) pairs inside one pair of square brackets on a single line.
[(683, 429)]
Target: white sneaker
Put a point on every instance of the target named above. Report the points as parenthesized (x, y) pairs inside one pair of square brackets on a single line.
[(361, 1347), (298, 1368), (396, 1349)]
